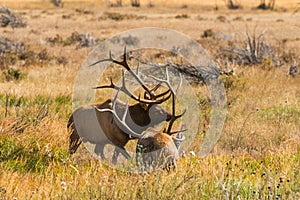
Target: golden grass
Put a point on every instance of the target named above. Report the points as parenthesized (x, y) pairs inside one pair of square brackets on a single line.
[(262, 163), (222, 176), (257, 156)]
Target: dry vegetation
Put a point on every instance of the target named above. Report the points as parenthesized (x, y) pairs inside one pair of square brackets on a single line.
[(258, 154)]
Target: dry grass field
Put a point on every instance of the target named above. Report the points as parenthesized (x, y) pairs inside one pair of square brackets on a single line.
[(257, 155)]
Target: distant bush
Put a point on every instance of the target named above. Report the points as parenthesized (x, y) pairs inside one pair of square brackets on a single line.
[(253, 49), (12, 74), (9, 18), (81, 39), (119, 17), (207, 33), (266, 6), (82, 11), (57, 3), (182, 16), (57, 39), (232, 5), (13, 51)]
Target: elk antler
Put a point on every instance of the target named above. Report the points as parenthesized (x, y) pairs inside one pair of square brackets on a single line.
[(124, 89), (173, 93), (128, 130), (179, 137), (124, 64), (159, 95)]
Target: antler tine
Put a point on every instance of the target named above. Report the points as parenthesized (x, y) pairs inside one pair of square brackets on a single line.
[(161, 94), (121, 120), (179, 137), (112, 85), (174, 94), (122, 63), (125, 112), (156, 87), (166, 81), (137, 70), (124, 89), (180, 115), (179, 131), (125, 58)]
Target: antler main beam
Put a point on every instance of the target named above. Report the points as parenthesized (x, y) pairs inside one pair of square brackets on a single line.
[(124, 89), (129, 131)]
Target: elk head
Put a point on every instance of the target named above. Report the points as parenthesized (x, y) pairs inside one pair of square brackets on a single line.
[(151, 100)]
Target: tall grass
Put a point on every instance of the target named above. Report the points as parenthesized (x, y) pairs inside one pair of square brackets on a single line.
[(222, 177), (257, 157)]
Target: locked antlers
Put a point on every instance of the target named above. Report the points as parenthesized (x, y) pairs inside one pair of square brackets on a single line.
[(149, 96), (153, 97), (128, 130), (174, 95)]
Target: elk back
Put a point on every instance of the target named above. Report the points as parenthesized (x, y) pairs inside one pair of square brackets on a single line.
[(156, 150)]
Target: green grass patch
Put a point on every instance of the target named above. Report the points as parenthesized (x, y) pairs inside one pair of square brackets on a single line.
[(12, 74), (16, 156), (35, 109), (18, 114), (281, 113)]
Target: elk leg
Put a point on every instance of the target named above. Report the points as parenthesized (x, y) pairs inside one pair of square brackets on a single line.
[(115, 156), (99, 150), (75, 141), (117, 151)]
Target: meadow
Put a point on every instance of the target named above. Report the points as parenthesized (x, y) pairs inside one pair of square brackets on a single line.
[(257, 155)]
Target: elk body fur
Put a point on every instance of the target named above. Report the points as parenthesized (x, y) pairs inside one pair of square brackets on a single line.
[(87, 124), (157, 150)]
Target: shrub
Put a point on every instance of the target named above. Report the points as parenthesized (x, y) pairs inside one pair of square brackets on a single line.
[(182, 16), (82, 40), (207, 33), (253, 49), (12, 74), (232, 5), (114, 16), (9, 18), (12, 51), (266, 6)]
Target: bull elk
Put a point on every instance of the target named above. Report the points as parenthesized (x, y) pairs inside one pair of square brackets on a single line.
[(155, 149), (87, 124)]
